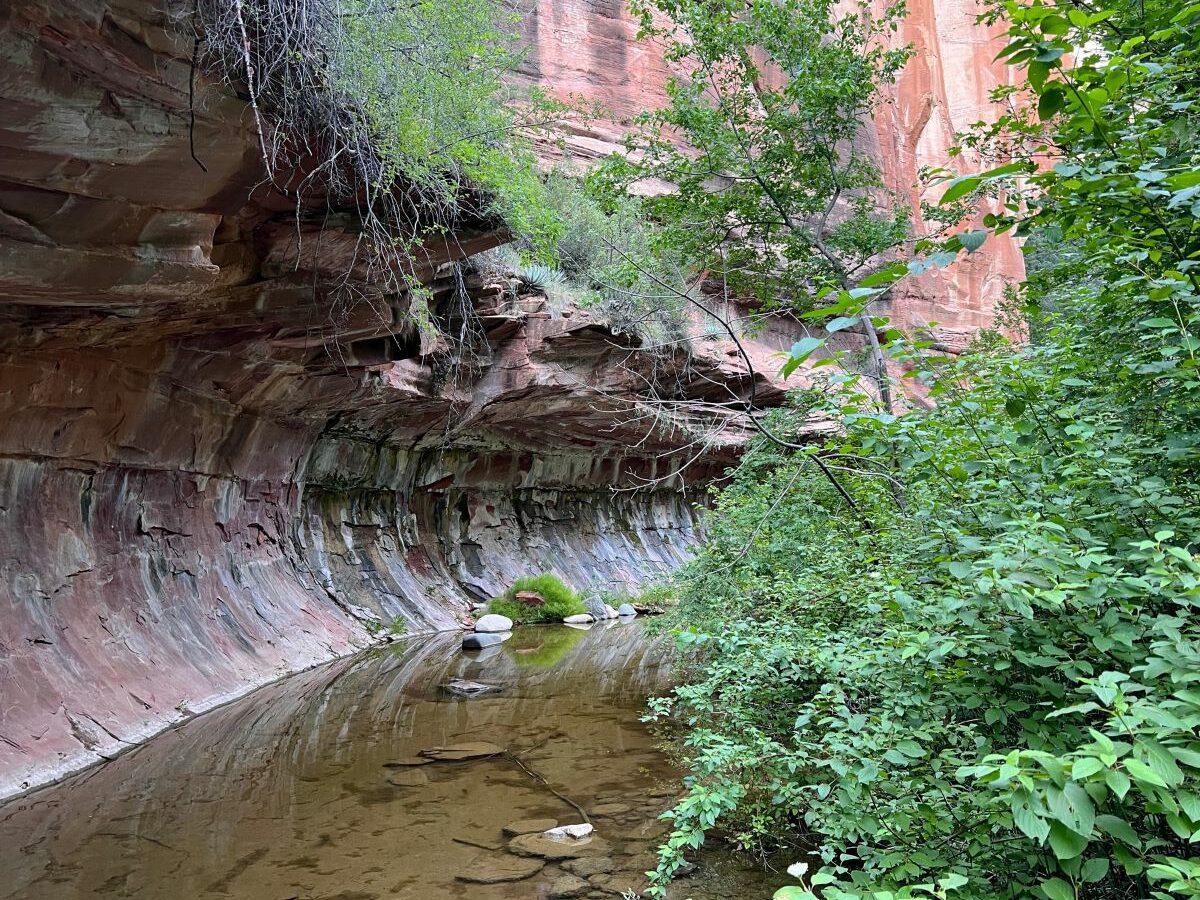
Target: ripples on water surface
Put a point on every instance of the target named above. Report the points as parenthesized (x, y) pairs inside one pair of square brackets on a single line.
[(283, 795)]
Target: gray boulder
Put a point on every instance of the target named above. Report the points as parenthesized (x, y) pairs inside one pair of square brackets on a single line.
[(479, 641), (597, 608), (492, 623), (626, 610)]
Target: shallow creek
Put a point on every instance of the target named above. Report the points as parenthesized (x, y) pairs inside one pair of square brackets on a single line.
[(286, 794)]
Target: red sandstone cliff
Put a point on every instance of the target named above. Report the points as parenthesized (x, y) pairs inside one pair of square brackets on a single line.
[(588, 49), (206, 480)]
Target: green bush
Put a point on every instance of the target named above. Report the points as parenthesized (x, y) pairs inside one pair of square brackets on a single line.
[(561, 601), (974, 672)]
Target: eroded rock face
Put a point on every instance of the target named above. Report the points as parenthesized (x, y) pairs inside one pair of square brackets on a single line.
[(210, 474)]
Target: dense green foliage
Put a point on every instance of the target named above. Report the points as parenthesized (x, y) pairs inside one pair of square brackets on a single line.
[(560, 600), (985, 682), (772, 199)]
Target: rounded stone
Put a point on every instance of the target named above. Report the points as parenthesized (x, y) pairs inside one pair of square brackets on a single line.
[(625, 611), (581, 619), (567, 886), (497, 868), (481, 641), (589, 866), (408, 778), (557, 848), (492, 624)]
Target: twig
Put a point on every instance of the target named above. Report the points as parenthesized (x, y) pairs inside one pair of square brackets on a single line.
[(512, 757)]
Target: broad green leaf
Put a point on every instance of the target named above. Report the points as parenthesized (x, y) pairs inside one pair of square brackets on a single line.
[(972, 240), (1051, 102), (1065, 843), (1094, 870), (1057, 889), (841, 323), (959, 188), (1118, 828), (1139, 771)]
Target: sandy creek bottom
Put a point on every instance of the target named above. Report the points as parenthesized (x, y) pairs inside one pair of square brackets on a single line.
[(284, 795)]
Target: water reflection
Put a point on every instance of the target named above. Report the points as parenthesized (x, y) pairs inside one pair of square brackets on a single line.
[(285, 795)]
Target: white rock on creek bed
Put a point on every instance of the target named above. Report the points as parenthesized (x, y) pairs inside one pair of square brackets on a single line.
[(581, 830), (553, 848)]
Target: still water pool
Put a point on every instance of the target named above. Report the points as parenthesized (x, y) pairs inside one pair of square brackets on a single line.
[(287, 794)]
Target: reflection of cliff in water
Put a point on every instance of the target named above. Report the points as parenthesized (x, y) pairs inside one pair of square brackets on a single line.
[(284, 793)]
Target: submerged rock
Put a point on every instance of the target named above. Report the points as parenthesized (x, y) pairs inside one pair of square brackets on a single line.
[(460, 687), (496, 869), (408, 778), (588, 866), (480, 641), (529, 826), (610, 809), (568, 886), (460, 752), (558, 848), (625, 610), (493, 624), (406, 761)]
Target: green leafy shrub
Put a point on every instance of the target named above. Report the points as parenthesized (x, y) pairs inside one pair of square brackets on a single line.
[(560, 600), (976, 672)]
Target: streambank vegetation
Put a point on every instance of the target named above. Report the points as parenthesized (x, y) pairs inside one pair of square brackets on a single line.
[(970, 667)]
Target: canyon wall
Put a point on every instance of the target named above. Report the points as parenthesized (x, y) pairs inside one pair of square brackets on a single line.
[(209, 476), (588, 50)]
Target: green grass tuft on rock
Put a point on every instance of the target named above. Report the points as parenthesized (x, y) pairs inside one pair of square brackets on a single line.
[(560, 600)]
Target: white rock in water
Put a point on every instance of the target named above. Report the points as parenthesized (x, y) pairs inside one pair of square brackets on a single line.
[(493, 623), (581, 619), (624, 610), (612, 613), (572, 831)]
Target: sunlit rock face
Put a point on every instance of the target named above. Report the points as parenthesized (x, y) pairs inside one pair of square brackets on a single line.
[(210, 475), (588, 49)]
